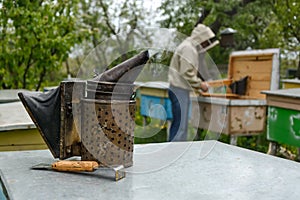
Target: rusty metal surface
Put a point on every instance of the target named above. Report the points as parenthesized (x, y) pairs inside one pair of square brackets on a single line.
[(108, 131), (71, 95)]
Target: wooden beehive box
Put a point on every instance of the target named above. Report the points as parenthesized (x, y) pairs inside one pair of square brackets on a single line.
[(284, 116), (240, 114)]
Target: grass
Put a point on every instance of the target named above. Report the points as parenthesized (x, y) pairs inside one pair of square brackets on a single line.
[(153, 131)]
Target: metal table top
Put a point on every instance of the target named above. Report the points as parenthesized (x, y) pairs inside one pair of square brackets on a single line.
[(184, 170)]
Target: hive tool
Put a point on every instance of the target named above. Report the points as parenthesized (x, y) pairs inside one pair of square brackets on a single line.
[(117, 172)]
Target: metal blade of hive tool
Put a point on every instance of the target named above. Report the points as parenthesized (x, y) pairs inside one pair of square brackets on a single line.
[(42, 166), (117, 172)]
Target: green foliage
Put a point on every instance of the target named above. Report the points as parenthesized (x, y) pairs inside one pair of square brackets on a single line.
[(148, 136), (181, 15), (259, 23), (287, 19), (36, 37), (287, 15), (250, 22), (156, 69)]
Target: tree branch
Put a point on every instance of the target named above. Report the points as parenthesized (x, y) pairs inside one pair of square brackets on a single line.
[(27, 69), (107, 18), (68, 67), (42, 75), (204, 14)]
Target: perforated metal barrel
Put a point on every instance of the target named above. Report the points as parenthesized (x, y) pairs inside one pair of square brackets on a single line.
[(107, 131)]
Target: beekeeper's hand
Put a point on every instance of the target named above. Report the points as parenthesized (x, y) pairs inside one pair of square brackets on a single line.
[(204, 86)]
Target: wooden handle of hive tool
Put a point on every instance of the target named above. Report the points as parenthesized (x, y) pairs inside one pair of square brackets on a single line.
[(75, 166)]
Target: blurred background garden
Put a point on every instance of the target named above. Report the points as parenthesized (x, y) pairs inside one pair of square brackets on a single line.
[(44, 42)]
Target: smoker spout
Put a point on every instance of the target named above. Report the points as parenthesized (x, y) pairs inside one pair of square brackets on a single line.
[(125, 72)]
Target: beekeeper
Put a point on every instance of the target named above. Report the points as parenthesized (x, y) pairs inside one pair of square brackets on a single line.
[(183, 77)]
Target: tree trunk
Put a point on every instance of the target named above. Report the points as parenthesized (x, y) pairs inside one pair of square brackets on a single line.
[(42, 75), (298, 70)]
